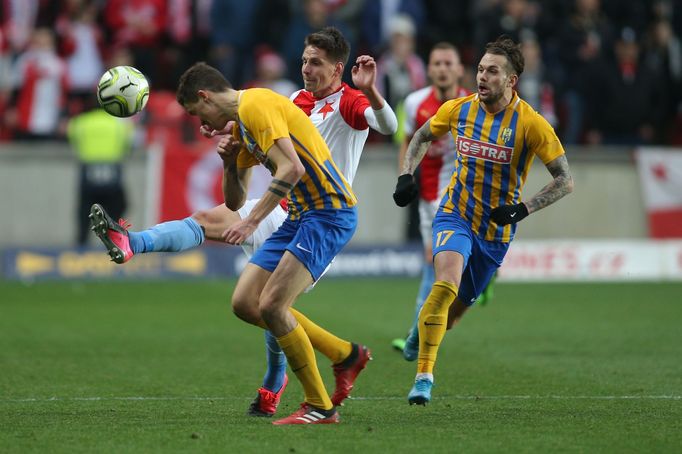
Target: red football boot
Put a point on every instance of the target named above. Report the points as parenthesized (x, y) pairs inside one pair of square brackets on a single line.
[(265, 403), (347, 371), (308, 414)]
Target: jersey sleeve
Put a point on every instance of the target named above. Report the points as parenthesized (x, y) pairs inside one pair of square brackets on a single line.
[(440, 122), (246, 159), (264, 116), (542, 140), (353, 105), (383, 120)]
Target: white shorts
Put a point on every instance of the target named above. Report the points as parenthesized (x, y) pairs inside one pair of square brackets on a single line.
[(266, 227), (427, 211)]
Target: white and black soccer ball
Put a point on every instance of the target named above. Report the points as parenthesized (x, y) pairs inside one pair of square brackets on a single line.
[(123, 91)]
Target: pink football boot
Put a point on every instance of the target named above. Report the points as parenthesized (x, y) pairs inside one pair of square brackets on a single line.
[(113, 235)]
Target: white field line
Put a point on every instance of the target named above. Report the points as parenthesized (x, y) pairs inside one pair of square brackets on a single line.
[(386, 398)]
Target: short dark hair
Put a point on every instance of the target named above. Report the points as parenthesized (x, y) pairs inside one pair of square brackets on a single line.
[(332, 41), (506, 46), (200, 76), (444, 45)]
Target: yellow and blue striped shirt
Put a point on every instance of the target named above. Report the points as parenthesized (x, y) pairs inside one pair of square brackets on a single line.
[(494, 154), (265, 116)]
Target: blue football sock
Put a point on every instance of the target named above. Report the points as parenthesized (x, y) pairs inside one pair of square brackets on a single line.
[(277, 364), (172, 236), (428, 278)]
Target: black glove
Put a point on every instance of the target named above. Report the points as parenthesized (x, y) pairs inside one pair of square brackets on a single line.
[(405, 190), (508, 214)]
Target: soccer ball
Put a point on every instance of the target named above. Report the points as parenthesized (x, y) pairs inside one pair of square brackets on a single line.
[(123, 91)]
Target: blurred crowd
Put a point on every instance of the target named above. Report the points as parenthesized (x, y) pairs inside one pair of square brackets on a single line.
[(601, 71)]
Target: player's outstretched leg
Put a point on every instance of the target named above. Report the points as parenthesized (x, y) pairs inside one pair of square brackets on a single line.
[(347, 371), (274, 381), (122, 244), (114, 235)]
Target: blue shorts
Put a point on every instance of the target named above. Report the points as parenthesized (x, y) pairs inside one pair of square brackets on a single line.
[(315, 239), (481, 258)]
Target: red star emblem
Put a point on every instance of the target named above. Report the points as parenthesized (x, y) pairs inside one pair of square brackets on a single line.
[(327, 108), (660, 171)]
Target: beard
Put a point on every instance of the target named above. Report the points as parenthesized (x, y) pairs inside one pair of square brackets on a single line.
[(492, 97)]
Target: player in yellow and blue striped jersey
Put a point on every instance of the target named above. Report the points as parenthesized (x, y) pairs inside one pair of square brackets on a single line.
[(497, 135), (343, 117), (271, 130)]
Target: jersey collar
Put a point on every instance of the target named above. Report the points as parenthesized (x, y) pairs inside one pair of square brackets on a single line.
[(341, 87)]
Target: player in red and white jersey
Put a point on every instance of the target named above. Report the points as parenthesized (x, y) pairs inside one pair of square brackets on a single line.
[(343, 116), (445, 72)]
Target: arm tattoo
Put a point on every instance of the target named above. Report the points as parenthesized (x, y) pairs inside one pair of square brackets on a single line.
[(561, 185), (283, 184), (280, 188), (277, 192), (417, 148)]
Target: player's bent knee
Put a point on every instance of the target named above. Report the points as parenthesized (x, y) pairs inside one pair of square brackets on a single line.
[(245, 308), (269, 314), (246, 314), (272, 306)]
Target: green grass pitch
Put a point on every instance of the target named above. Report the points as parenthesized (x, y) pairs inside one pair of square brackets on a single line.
[(166, 367)]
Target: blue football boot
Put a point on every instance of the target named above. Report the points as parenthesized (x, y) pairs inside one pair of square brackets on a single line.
[(420, 393)]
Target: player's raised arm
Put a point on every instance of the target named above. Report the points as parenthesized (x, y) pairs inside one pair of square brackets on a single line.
[(288, 171), (381, 116)]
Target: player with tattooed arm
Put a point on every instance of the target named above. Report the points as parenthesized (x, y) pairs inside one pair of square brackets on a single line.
[(496, 135)]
